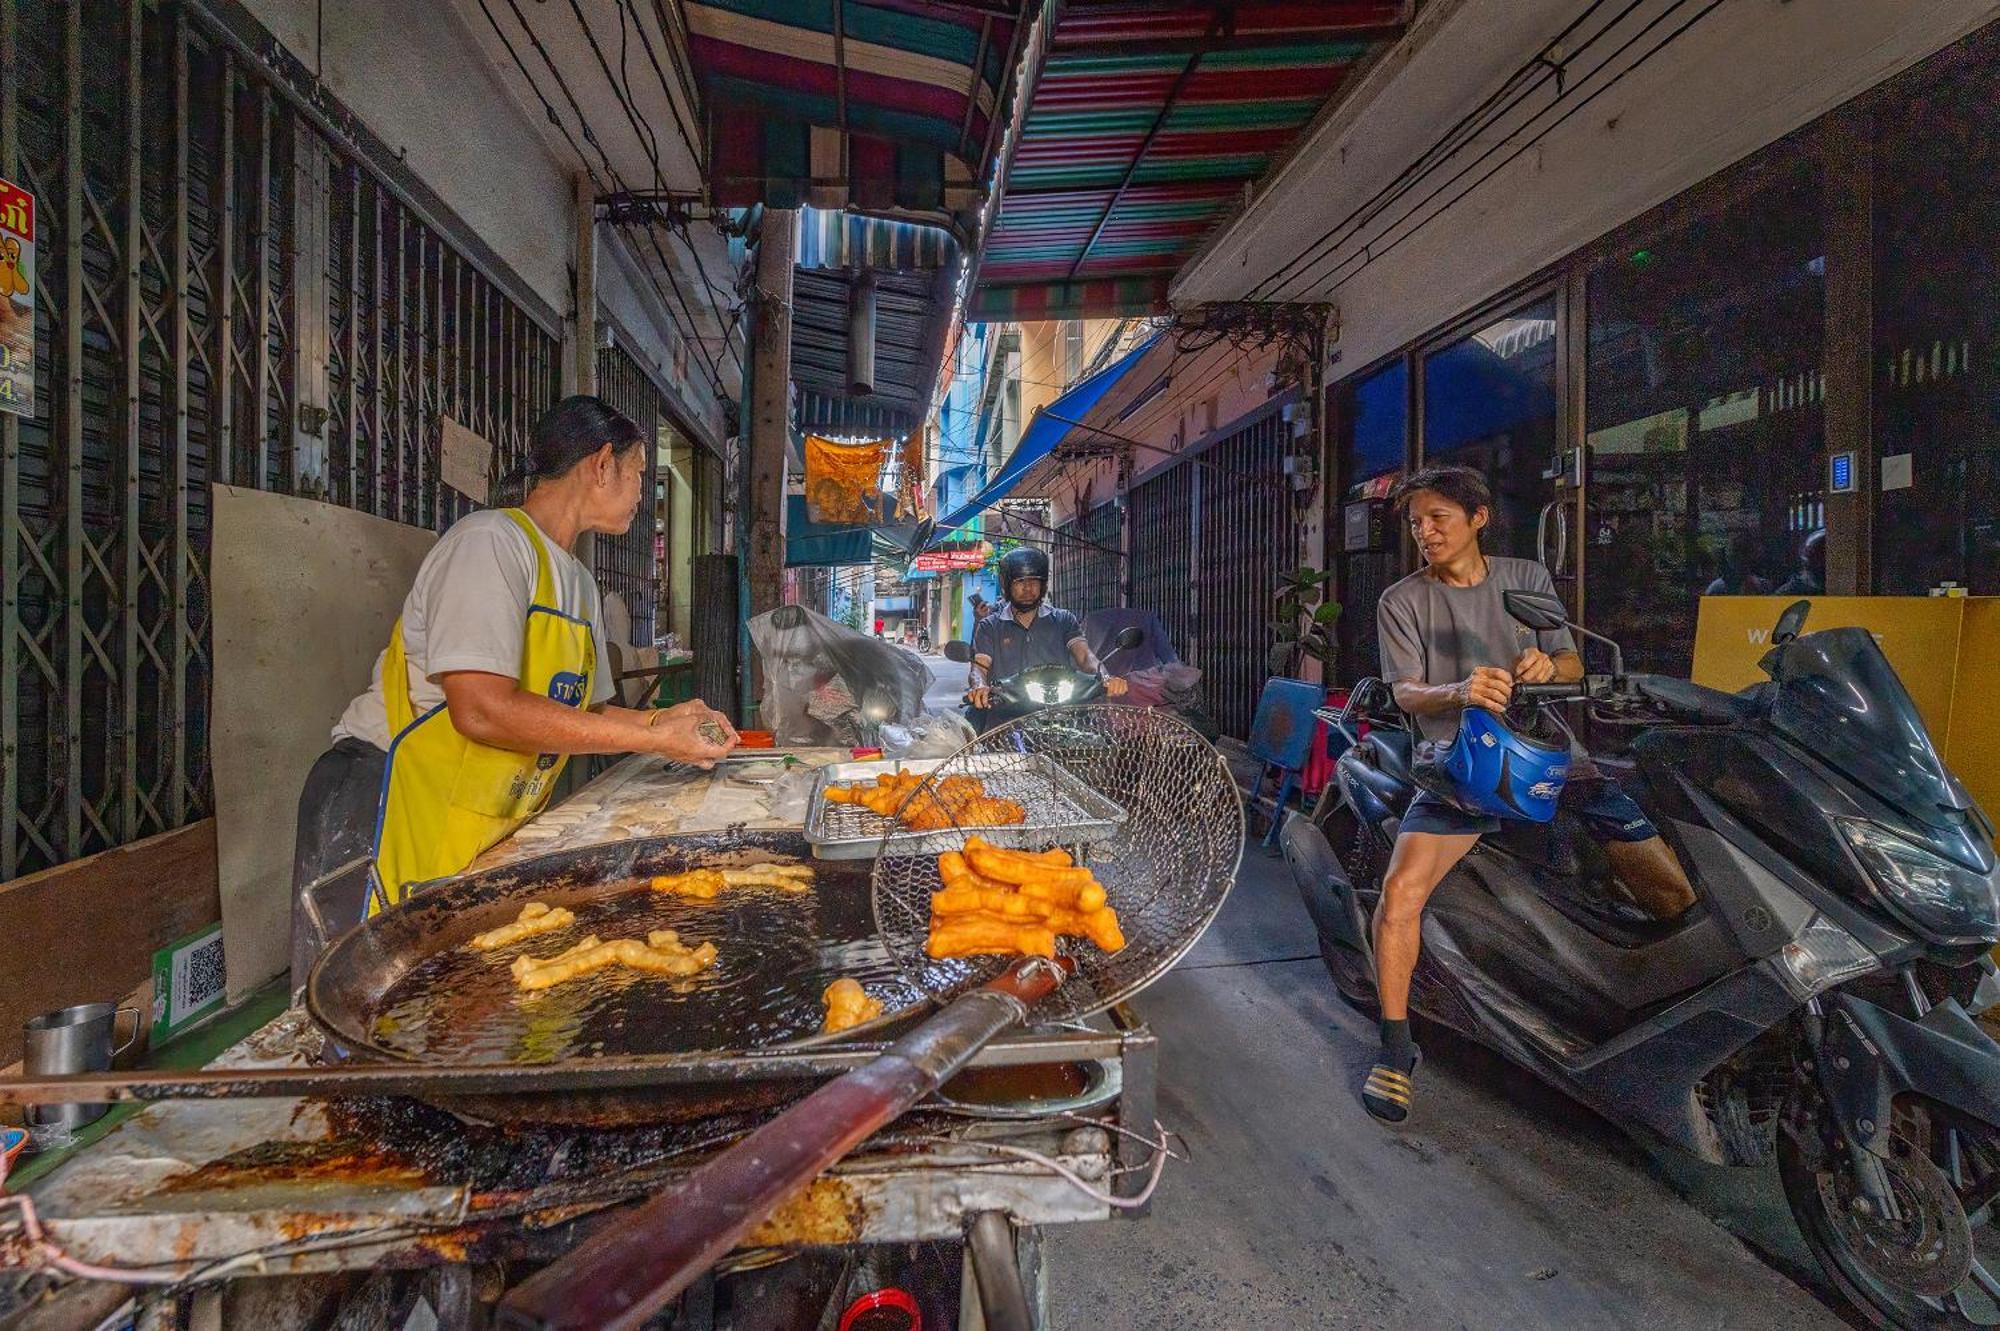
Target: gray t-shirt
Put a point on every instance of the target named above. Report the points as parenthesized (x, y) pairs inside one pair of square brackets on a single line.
[(467, 610), (1435, 634)]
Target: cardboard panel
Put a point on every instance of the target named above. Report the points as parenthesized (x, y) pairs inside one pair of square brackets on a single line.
[(1919, 635), (305, 595), (86, 931)]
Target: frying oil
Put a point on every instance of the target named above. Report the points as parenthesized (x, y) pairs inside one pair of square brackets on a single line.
[(775, 954)]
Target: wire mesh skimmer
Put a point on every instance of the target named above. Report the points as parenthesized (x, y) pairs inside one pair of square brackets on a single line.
[(1165, 868)]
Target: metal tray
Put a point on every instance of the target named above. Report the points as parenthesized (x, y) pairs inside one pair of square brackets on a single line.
[(1062, 810)]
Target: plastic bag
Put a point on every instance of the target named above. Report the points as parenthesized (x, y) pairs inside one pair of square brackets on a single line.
[(788, 797), (932, 735), (828, 684)]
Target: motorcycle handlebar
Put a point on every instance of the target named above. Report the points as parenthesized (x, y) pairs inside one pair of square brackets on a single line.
[(1550, 692)]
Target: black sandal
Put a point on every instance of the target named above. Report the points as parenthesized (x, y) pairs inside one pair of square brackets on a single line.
[(1388, 1093)]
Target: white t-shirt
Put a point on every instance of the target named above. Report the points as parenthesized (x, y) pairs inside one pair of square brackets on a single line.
[(468, 610)]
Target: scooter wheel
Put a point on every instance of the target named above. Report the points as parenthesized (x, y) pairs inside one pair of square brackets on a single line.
[(1810, 1192)]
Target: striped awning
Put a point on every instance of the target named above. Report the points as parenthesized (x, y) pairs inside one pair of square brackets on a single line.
[(1143, 125), (849, 240), (880, 105)]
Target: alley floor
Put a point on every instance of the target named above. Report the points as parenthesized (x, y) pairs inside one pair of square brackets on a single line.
[(1502, 1205)]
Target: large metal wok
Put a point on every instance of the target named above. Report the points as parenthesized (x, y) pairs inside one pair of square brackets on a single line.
[(402, 988)]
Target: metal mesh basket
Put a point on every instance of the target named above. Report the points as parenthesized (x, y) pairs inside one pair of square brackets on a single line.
[(1165, 869), (1058, 808)]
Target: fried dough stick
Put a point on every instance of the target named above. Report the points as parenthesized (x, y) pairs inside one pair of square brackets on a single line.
[(661, 954), (707, 884), (980, 934), (535, 918), (848, 1005)]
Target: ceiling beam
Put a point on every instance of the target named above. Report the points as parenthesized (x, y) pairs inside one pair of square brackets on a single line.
[(1159, 122)]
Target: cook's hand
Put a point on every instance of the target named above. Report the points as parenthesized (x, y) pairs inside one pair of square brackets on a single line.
[(692, 737), (1115, 687), (1490, 687), (980, 698), (1534, 667)]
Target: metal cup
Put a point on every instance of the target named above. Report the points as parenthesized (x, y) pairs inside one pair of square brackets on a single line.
[(71, 1040)]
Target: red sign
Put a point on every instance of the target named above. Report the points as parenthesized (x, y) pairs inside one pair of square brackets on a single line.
[(17, 299), (953, 561)]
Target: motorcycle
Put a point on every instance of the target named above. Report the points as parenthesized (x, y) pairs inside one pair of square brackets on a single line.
[(1811, 1004), (1031, 690)]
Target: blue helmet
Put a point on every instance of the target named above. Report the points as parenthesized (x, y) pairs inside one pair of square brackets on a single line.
[(1489, 769)]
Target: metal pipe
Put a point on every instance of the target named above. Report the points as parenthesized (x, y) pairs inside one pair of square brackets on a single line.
[(1002, 1300), (861, 301)]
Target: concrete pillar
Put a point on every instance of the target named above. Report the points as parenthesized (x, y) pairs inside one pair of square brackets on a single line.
[(769, 416), (1850, 348)]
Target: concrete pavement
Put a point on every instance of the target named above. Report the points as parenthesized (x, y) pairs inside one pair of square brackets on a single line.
[(1503, 1205)]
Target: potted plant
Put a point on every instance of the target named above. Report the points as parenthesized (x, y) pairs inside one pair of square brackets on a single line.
[(1304, 621)]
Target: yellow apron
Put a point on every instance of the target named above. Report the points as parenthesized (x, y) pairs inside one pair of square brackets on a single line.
[(446, 798)]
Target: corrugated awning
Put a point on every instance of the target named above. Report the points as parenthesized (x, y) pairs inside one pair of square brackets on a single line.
[(849, 240), (874, 104), (1144, 124), (1042, 436)]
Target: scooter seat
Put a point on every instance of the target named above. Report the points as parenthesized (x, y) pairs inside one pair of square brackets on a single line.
[(1695, 704), (1391, 753)]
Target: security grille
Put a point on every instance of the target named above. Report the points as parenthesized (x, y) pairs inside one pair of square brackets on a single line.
[(214, 271), (1210, 536), (1085, 552), (624, 564)]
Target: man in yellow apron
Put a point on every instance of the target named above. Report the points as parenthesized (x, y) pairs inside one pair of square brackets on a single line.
[(496, 672)]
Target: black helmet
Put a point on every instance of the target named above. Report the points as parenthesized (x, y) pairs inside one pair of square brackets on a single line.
[(1023, 561)]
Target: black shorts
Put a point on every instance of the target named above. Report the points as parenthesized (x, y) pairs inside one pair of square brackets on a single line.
[(1608, 813)]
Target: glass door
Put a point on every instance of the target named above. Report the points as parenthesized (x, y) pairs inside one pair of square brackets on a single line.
[(1704, 433), (1490, 402)]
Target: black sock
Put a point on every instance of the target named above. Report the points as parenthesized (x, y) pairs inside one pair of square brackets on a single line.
[(1397, 1051)]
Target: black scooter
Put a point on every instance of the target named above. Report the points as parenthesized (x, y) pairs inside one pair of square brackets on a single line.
[(1811, 1003), (1030, 690)]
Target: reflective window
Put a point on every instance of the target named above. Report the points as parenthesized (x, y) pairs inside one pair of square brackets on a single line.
[(1937, 333), (1703, 397), (1490, 404), (1373, 419)]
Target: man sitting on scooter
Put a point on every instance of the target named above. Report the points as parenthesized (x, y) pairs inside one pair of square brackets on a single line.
[(1025, 632), (1448, 643)]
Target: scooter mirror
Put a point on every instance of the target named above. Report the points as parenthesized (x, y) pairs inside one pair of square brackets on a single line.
[(1543, 612), (960, 652), (1789, 623), (1129, 637), (787, 618)]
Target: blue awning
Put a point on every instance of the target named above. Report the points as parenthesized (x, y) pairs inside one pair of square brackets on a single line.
[(1042, 435)]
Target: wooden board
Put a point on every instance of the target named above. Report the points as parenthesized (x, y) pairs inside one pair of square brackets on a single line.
[(86, 931), (305, 595)]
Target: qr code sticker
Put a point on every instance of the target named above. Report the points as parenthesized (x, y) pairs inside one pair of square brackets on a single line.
[(198, 978)]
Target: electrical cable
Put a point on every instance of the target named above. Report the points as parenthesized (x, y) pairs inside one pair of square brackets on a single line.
[(1438, 149), (710, 369), (649, 144), (1373, 254), (1374, 249)]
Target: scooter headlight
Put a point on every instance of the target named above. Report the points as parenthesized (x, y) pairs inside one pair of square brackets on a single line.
[(1940, 898)]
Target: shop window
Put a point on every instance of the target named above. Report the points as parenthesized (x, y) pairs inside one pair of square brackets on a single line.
[(1937, 330), (1704, 420), (1490, 404)]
